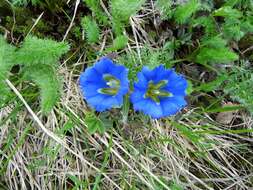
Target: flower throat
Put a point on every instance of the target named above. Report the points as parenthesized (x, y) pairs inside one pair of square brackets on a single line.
[(113, 85), (155, 92)]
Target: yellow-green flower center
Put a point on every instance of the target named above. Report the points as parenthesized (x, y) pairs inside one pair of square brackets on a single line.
[(113, 85), (155, 92)]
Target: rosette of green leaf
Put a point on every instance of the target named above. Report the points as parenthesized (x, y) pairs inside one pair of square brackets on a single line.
[(39, 58)]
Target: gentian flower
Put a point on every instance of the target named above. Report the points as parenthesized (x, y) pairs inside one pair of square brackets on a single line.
[(104, 84), (159, 92)]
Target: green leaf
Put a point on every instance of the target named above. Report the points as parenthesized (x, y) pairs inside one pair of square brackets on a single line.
[(239, 87), (119, 42), (208, 23), (214, 42), (94, 124), (7, 57), (123, 9), (91, 29), (97, 11), (210, 86), (35, 51), (183, 12), (50, 87), (188, 133), (231, 3), (176, 186), (232, 32), (228, 12), (214, 50), (189, 89), (219, 55)]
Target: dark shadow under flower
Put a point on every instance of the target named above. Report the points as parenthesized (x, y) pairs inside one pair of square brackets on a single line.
[(104, 84), (159, 92)]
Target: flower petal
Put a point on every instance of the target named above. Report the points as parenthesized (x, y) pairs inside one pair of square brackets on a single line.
[(168, 105), (149, 107), (90, 75), (142, 81), (104, 65), (172, 105), (93, 79), (177, 88)]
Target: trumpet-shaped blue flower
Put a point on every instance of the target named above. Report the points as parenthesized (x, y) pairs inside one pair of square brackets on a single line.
[(104, 84), (159, 92)]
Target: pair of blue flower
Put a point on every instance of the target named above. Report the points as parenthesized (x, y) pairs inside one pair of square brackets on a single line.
[(159, 92)]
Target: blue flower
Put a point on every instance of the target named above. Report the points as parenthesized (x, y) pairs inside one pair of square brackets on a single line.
[(104, 84), (159, 92)]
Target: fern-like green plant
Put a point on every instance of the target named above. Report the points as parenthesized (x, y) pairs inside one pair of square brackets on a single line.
[(91, 29), (36, 51), (97, 12), (122, 10), (227, 12), (208, 22), (183, 12), (214, 50), (7, 57), (48, 82), (239, 87), (119, 42), (38, 59)]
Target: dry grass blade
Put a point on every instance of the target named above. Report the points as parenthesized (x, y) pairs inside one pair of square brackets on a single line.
[(53, 136)]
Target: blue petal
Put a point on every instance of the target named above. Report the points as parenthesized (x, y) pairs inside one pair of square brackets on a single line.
[(148, 74), (92, 80), (104, 102), (142, 81), (111, 101), (123, 90), (174, 77), (162, 74), (172, 105), (104, 65), (90, 90), (168, 106), (177, 87), (96, 102), (119, 71), (90, 74), (137, 96), (150, 108), (119, 99)]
